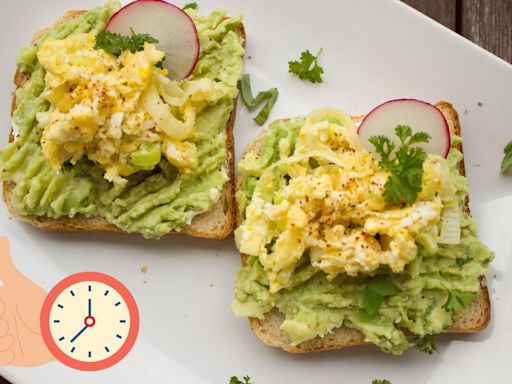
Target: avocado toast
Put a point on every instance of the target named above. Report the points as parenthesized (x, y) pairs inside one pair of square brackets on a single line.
[(153, 201), (441, 290)]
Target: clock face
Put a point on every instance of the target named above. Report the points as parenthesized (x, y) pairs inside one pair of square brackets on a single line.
[(89, 321)]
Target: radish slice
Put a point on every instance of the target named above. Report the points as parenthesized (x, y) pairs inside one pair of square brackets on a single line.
[(419, 115), (174, 29)]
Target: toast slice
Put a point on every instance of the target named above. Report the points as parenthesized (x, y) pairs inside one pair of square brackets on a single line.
[(218, 223), (473, 319)]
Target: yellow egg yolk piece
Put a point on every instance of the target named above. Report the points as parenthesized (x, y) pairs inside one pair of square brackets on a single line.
[(115, 110)]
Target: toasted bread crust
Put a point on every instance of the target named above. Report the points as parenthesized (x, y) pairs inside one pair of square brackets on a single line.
[(473, 319), (218, 223)]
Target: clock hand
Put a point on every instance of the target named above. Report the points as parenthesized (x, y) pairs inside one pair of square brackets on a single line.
[(79, 333), (90, 306)]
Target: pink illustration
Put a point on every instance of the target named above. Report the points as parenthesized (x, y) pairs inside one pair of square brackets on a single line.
[(21, 343)]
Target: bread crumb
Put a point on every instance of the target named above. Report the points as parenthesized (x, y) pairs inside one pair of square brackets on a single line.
[(480, 104), (466, 111), (144, 268)]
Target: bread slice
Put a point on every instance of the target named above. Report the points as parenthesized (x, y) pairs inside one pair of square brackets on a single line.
[(218, 223), (473, 319)]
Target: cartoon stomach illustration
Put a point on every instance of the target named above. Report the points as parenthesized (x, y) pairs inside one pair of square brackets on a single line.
[(88, 321)]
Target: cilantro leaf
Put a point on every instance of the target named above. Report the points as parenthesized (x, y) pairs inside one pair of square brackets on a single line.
[(506, 163), (190, 6), (405, 165), (375, 292), (236, 380), (459, 300), (307, 68), (426, 344), (115, 43), (381, 381), (268, 98)]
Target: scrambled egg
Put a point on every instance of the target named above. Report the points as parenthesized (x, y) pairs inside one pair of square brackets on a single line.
[(121, 112), (329, 206)]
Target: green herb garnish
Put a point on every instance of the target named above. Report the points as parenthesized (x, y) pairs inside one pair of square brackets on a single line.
[(236, 380), (115, 43), (160, 64), (267, 97), (426, 344), (464, 261), (375, 291), (381, 381), (307, 68), (506, 163), (405, 167), (190, 6), (459, 300)]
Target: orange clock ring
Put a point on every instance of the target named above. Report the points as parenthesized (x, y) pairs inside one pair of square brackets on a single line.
[(92, 277)]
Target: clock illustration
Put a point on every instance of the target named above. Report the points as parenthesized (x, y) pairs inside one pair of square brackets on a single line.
[(89, 321)]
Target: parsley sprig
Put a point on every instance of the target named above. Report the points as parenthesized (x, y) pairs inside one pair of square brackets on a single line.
[(375, 292), (381, 381), (236, 380), (405, 165), (115, 43), (190, 6), (426, 344), (459, 300), (506, 163), (307, 68)]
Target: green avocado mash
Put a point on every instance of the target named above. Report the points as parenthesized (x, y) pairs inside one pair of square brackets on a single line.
[(152, 203), (422, 300)]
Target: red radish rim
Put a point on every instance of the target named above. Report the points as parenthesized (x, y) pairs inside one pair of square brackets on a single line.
[(446, 126), (191, 69)]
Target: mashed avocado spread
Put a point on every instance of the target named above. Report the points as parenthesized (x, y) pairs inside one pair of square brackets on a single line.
[(324, 277), (150, 200)]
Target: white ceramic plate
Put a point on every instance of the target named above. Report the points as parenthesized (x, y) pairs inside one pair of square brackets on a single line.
[(373, 51)]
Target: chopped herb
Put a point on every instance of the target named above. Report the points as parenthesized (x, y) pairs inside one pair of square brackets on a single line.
[(459, 300), (426, 344), (190, 6), (236, 380), (160, 64), (267, 97), (307, 68), (381, 381), (375, 291), (115, 43), (405, 167), (464, 261), (506, 163)]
